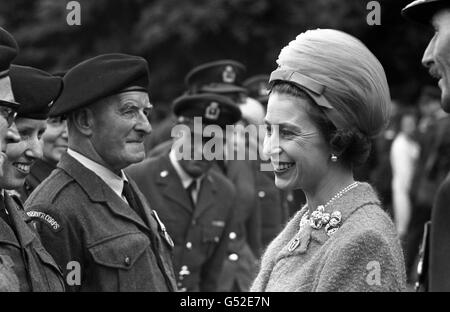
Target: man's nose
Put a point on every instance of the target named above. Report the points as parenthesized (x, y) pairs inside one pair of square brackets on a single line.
[(12, 135), (144, 124), (35, 150), (427, 59), (65, 133)]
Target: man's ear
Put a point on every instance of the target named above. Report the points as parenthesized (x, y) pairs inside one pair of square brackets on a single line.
[(83, 120)]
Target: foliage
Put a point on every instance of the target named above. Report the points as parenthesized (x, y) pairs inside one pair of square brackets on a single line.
[(176, 35)]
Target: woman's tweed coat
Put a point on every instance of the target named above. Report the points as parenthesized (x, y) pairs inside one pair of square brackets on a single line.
[(363, 255)]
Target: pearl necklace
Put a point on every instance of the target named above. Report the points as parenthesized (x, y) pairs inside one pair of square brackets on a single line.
[(320, 218), (340, 193)]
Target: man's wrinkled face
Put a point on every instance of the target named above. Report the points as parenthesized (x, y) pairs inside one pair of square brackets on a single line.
[(23, 154), (437, 55), (121, 123)]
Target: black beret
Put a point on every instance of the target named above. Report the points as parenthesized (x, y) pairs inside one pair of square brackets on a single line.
[(224, 76), (422, 11), (258, 87), (100, 77), (8, 51), (35, 90), (213, 108)]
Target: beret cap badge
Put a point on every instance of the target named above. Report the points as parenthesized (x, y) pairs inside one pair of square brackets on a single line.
[(229, 75), (212, 111)]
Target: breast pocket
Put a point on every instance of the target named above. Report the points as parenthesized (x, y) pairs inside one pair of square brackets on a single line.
[(117, 262), (52, 272)]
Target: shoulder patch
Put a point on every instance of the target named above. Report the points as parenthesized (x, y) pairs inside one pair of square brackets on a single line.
[(45, 218)]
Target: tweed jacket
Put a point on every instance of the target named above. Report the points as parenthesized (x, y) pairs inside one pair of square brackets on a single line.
[(364, 254), (80, 218)]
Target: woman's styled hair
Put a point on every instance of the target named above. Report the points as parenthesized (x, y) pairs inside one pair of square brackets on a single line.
[(351, 82)]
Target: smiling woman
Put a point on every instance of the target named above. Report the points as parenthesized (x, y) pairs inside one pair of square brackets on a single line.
[(329, 97), (34, 89)]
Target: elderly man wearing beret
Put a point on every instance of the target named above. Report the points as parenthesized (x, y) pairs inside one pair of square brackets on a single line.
[(436, 13), (35, 268), (91, 217)]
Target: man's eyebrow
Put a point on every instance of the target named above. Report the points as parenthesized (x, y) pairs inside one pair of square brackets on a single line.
[(283, 124)]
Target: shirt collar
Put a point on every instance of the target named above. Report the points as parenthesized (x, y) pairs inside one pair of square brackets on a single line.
[(110, 178), (185, 178)]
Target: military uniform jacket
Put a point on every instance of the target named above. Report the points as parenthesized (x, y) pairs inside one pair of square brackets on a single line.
[(364, 254), (200, 234), (82, 221), (39, 171), (21, 249), (439, 266), (272, 202), (245, 238)]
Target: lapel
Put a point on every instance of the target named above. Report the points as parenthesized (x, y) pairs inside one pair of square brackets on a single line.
[(171, 185), (205, 198), (97, 190), (23, 233)]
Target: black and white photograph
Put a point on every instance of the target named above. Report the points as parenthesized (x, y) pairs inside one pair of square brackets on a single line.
[(224, 150)]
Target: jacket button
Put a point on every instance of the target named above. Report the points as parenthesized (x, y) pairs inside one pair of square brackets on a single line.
[(184, 271), (127, 260), (188, 245), (290, 197), (233, 257), (261, 194), (216, 239), (164, 173), (194, 222), (232, 235)]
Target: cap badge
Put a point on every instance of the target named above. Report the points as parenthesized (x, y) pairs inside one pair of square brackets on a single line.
[(212, 111), (229, 75)]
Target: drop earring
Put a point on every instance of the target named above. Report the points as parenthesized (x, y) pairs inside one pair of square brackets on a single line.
[(334, 158)]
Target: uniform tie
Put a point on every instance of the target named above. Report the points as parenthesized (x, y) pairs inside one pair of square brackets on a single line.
[(130, 196)]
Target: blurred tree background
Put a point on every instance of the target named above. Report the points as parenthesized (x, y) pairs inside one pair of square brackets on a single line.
[(177, 35)]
